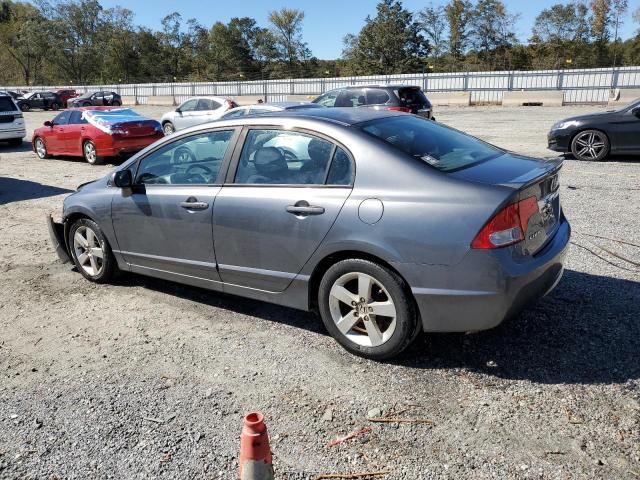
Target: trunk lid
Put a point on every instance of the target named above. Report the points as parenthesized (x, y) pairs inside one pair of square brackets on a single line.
[(138, 128), (528, 177)]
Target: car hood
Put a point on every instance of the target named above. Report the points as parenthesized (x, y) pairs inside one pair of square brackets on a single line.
[(509, 170), (590, 116)]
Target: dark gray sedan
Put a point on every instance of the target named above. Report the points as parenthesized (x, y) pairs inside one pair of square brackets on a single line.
[(389, 224)]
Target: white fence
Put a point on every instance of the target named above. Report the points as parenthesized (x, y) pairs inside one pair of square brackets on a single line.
[(579, 86)]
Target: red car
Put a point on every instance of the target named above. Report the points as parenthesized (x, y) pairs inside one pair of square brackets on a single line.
[(66, 94), (95, 133)]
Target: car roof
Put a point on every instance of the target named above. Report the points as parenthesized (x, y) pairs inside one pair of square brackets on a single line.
[(380, 85), (285, 105), (98, 107), (339, 115)]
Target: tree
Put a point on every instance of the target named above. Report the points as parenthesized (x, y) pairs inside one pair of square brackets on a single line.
[(172, 41), (23, 35), (492, 30), (601, 10), (434, 24), (388, 43), (287, 33), (458, 14), (119, 38)]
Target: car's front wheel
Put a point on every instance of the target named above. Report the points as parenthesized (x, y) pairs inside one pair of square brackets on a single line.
[(90, 153), (91, 251), (116, 103), (590, 145), (25, 107), (55, 106), (168, 128), (367, 308), (41, 148)]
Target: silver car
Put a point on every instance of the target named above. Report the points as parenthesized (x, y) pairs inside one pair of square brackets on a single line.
[(195, 111), (386, 223)]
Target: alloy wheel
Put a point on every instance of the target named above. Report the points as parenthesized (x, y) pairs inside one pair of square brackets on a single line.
[(362, 309), (168, 128), (41, 150), (88, 250), (90, 152), (589, 145)]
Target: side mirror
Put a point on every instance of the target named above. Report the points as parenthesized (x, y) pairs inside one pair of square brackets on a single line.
[(123, 179), (48, 124), (178, 111), (636, 112)]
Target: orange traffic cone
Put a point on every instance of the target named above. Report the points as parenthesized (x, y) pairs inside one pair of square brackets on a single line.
[(255, 454)]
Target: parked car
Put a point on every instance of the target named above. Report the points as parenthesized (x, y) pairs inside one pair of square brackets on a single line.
[(400, 98), (12, 128), (96, 99), (12, 93), (597, 135), (386, 223), (66, 94), (95, 133), (260, 108), (41, 100), (195, 111)]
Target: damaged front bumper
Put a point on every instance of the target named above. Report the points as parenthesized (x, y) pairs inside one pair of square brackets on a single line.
[(56, 232)]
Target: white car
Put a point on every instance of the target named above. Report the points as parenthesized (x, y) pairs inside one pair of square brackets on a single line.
[(12, 127), (195, 111)]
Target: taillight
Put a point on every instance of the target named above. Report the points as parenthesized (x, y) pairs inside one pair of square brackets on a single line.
[(507, 226), (399, 109)]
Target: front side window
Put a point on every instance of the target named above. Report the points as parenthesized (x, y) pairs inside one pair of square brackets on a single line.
[(193, 160), (240, 112), (441, 147), (62, 118), (352, 97), (188, 106), (328, 99), (282, 157)]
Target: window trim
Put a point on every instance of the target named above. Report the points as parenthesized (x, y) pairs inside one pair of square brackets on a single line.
[(135, 165), (239, 146)]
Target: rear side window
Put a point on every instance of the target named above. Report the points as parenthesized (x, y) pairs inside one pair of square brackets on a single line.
[(328, 99), (352, 97), (413, 97), (441, 147), (207, 104), (377, 96), (341, 170), (76, 118), (7, 105)]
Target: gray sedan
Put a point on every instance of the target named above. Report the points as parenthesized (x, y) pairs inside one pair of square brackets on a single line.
[(386, 223)]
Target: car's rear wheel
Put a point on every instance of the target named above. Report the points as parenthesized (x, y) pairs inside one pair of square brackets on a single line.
[(90, 153), (367, 308), (25, 107), (116, 103), (590, 145), (55, 106), (41, 148), (91, 251), (168, 128)]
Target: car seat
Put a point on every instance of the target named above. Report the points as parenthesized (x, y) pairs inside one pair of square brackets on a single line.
[(271, 167)]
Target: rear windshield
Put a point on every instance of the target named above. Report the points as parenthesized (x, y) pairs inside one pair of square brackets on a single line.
[(7, 105), (412, 96), (441, 147)]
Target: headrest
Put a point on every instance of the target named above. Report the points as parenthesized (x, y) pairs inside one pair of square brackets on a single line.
[(270, 162)]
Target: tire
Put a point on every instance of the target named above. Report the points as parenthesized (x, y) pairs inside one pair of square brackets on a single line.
[(590, 145), (86, 244), (116, 103), (41, 148), (90, 154), (25, 107), (86, 104), (15, 142), (55, 106), (168, 128), (366, 334)]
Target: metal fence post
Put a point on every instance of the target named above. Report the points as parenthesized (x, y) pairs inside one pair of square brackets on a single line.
[(465, 81), (510, 81), (560, 80)]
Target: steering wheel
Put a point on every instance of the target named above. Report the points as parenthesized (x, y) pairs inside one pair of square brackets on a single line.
[(150, 178), (289, 156), (193, 166)]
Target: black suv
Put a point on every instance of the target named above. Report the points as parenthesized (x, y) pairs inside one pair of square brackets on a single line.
[(42, 100), (94, 99), (401, 98)]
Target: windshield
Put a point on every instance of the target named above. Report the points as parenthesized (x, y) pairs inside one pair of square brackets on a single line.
[(441, 147)]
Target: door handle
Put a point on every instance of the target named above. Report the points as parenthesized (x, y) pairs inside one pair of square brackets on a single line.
[(303, 208), (192, 203)]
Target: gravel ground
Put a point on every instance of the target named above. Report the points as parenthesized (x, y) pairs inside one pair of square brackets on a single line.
[(149, 379)]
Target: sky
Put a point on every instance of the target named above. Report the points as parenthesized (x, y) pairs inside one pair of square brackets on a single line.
[(326, 21)]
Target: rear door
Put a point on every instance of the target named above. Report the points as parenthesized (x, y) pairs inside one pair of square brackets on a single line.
[(163, 224), (277, 206), (73, 133)]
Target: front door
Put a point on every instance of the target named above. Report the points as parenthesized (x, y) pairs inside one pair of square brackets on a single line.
[(185, 114), (286, 194), (627, 133), (55, 142), (163, 224)]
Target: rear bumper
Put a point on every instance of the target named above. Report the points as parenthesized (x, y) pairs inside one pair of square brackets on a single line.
[(127, 146), (56, 233), (11, 133), (492, 287), (559, 141)]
